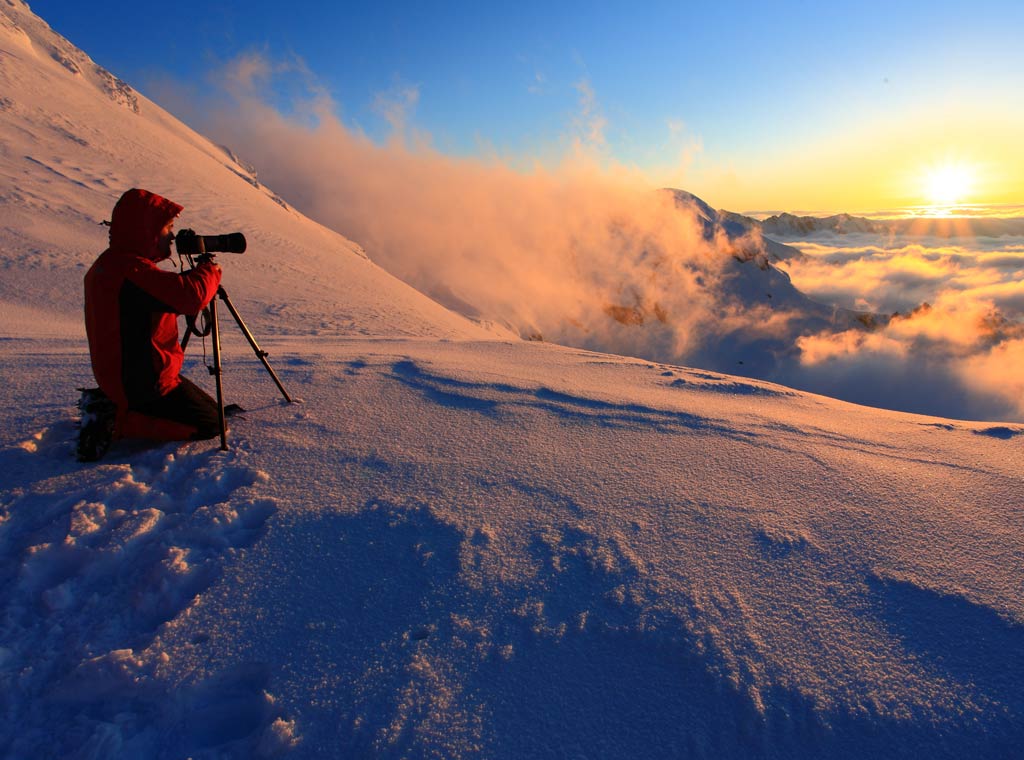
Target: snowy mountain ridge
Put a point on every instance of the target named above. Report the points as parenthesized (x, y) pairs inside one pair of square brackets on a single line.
[(792, 227), (788, 224), (30, 34)]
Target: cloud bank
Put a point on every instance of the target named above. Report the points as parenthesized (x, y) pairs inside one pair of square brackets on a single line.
[(957, 340), (573, 253), (588, 254)]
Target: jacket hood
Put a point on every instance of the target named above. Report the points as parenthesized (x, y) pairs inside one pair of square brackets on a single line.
[(137, 220)]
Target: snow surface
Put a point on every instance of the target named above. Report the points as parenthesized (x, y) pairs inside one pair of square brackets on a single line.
[(459, 545)]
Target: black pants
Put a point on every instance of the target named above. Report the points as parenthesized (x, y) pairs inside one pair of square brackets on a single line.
[(188, 404)]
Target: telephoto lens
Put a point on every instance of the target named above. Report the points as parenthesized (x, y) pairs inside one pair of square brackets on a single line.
[(189, 243)]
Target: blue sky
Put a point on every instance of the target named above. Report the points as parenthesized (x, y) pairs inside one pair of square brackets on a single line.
[(747, 88)]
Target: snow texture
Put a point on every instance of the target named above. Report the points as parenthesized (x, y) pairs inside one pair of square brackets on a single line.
[(458, 545)]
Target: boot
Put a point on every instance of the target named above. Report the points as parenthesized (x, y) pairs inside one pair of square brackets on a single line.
[(96, 428)]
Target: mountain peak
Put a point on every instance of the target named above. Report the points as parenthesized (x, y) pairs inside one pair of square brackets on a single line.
[(790, 224), (31, 35)]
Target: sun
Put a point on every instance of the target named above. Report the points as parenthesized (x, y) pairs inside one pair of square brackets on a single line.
[(948, 184)]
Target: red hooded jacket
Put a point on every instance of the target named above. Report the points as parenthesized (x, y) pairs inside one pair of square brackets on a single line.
[(131, 305)]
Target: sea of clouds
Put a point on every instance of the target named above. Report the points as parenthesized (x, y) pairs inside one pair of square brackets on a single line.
[(956, 342)]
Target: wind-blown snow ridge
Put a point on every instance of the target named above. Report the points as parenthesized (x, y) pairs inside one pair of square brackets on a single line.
[(461, 548)]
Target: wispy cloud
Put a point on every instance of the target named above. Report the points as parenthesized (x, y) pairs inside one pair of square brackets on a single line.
[(590, 122), (396, 105), (538, 84)]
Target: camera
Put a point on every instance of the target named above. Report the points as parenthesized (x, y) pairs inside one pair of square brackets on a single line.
[(188, 243)]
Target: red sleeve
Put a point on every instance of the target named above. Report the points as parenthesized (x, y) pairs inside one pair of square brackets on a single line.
[(185, 293)]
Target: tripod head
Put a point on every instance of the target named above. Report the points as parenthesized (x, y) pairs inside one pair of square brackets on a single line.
[(202, 258)]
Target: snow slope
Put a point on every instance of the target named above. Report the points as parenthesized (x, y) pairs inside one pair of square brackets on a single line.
[(74, 138), (459, 546), (510, 550)]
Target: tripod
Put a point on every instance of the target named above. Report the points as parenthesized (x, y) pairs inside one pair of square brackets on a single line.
[(213, 330)]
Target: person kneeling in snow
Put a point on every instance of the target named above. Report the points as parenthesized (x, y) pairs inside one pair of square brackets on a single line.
[(131, 311)]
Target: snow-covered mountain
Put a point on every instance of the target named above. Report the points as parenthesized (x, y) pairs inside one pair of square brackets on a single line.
[(458, 545), (745, 233), (753, 317), (790, 227)]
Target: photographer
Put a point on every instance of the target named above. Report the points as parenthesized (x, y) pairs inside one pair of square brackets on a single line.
[(131, 310)]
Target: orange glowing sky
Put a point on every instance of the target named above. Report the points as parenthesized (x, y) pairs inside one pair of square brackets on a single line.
[(928, 158)]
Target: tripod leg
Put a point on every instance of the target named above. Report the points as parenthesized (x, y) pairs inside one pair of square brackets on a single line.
[(215, 332), (260, 353)]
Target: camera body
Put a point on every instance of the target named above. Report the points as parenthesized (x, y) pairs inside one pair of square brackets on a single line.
[(188, 243)]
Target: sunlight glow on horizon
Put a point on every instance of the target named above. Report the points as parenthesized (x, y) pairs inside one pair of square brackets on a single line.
[(949, 184), (928, 162)]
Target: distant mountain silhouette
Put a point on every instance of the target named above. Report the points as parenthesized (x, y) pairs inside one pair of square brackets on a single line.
[(789, 224)]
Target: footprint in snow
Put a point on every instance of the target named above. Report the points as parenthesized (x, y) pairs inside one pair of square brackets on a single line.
[(94, 562)]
